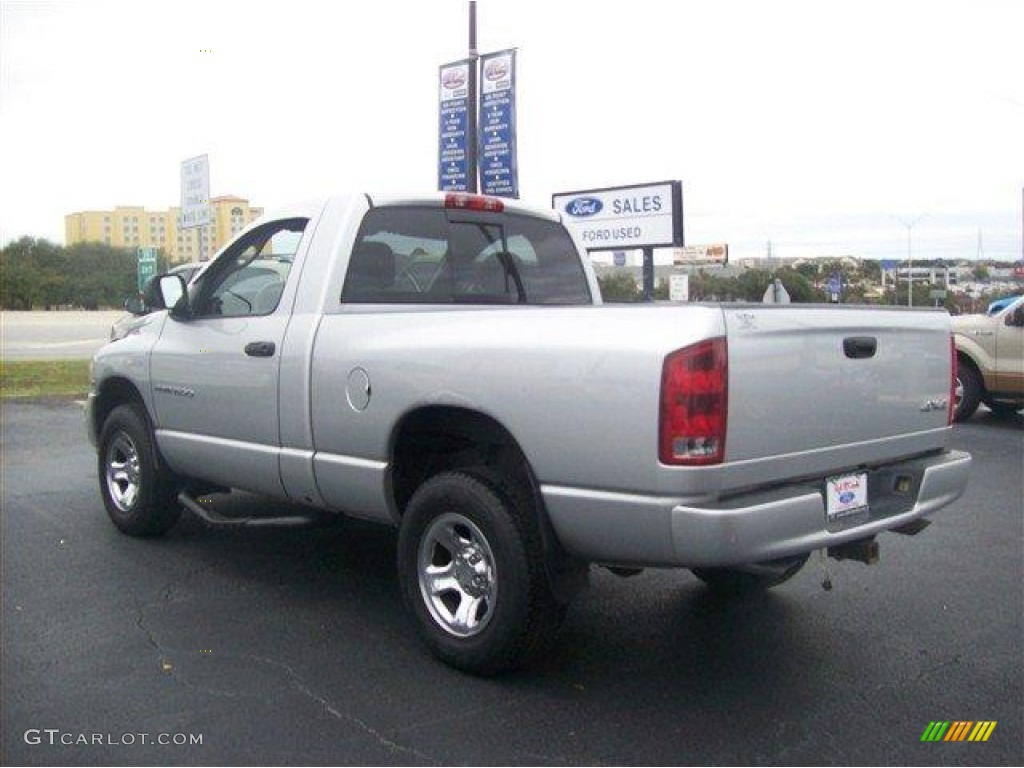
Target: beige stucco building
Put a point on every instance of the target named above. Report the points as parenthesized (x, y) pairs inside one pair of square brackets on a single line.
[(130, 226)]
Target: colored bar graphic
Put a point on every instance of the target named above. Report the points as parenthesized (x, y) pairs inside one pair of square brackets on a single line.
[(982, 730), (959, 730)]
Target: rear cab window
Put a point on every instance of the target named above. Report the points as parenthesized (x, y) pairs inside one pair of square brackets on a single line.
[(429, 255)]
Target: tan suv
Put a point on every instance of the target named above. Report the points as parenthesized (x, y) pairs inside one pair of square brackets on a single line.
[(990, 360)]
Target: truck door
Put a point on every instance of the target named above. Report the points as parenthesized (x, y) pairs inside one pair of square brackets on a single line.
[(1009, 350), (215, 374)]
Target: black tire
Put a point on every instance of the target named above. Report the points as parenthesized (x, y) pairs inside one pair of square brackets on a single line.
[(137, 490), (968, 391), (754, 577), (470, 565)]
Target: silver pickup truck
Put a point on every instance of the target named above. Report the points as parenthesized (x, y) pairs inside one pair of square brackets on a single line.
[(443, 364)]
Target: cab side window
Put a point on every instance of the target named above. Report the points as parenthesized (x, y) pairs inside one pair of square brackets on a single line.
[(249, 278)]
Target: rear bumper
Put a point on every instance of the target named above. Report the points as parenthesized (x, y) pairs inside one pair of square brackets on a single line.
[(627, 529)]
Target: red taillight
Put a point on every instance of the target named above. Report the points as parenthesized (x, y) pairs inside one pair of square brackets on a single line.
[(466, 202), (952, 380), (694, 404)]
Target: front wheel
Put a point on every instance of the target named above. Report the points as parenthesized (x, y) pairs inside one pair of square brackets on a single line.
[(753, 577), (137, 490), (967, 392), (471, 569)]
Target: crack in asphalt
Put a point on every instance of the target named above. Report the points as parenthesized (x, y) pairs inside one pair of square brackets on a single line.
[(300, 685), (167, 594), (166, 665)]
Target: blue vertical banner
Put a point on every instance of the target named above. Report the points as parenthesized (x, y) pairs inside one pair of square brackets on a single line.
[(452, 158), (499, 172)]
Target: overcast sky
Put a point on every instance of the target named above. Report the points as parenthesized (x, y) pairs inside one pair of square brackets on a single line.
[(812, 125)]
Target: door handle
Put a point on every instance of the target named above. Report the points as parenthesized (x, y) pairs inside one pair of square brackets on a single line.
[(860, 347), (260, 349)]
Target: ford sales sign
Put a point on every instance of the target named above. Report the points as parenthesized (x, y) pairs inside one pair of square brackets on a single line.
[(616, 218)]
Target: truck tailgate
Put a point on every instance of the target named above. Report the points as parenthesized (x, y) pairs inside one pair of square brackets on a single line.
[(808, 382)]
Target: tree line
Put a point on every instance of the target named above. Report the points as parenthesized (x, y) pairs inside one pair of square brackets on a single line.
[(805, 284), (38, 274)]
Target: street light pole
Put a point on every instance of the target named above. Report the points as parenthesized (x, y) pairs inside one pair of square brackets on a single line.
[(910, 256)]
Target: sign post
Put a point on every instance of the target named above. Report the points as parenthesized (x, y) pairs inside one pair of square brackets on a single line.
[(195, 197), (477, 108)]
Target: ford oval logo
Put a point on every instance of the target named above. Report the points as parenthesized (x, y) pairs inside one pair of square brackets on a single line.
[(584, 206), (453, 78), (496, 69), (846, 497)]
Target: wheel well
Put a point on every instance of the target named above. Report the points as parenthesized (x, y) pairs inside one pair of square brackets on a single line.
[(439, 439), (113, 392), (442, 438)]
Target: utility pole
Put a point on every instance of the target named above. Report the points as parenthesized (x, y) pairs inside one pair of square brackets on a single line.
[(910, 256)]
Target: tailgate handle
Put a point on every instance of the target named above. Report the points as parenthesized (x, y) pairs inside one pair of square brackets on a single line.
[(860, 347)]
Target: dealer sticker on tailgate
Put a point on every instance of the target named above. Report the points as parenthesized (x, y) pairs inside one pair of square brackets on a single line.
[(846, 495)]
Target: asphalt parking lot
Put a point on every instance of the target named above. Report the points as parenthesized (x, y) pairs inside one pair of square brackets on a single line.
[(291, 647)]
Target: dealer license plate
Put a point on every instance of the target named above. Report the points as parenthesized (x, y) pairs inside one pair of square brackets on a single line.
[(846, 495)]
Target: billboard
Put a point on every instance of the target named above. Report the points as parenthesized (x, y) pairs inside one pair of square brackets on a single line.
[(452, 152), (701, 254), (499, 174), (616, 218), (195, 192)]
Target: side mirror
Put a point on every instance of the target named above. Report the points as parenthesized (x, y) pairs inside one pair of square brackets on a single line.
[(1016, 318), (135, 305), (173, 295)]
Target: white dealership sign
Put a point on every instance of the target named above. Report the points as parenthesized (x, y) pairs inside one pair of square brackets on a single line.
[(195, 192), (679, 288), (617, 218)]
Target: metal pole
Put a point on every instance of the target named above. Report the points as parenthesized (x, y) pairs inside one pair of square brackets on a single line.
[(648, 273), (471, 139), (910, 269), (910, 256)]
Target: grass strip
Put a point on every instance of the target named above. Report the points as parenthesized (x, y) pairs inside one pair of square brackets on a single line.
[(43, 378)]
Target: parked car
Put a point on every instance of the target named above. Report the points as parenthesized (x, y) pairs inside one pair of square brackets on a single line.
[(990, 359), (999, 305), (137, 306)]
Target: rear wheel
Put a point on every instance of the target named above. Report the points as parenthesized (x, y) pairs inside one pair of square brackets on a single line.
[(967, 393), (138, 492), (753, 577), (471, 571)]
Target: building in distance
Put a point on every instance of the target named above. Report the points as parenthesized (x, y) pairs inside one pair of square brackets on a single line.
[(129, 226)]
